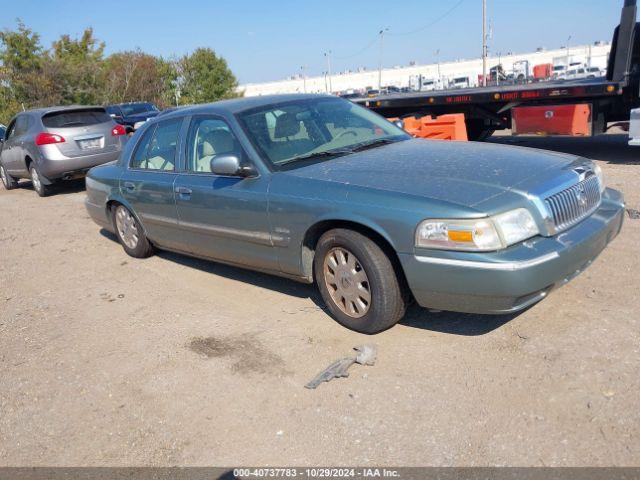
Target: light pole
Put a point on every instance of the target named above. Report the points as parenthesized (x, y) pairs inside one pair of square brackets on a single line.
[(484, 43), (328, 57), (381, 33), (438, 63), (304, 78), (566, 70)]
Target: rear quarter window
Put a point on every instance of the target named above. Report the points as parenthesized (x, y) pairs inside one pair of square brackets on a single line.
[(75, 118)]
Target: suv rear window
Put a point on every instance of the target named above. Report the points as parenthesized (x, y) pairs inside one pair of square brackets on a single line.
[(75, 118)]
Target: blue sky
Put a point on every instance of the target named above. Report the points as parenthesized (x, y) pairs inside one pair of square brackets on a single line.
[(271, 39)]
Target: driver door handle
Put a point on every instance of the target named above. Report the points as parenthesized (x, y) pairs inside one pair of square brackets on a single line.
[(184, 192)]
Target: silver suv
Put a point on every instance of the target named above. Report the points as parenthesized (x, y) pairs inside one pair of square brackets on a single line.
[(58, 143)]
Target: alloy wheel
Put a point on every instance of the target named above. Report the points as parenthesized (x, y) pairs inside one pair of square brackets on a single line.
[(347, 282), (35, 179), (127, 229)]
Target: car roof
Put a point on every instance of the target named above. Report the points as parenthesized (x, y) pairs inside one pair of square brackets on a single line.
[(46, 110), (236, 105)]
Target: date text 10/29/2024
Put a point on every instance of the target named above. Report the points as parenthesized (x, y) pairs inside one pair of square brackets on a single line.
[(315, 473)]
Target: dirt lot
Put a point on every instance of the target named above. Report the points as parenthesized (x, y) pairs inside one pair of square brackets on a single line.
[(108, 360)]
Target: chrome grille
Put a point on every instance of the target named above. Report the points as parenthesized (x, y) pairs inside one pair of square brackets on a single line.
[(575, 203)]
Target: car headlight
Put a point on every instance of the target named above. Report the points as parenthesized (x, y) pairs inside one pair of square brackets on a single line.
[(479, 235), (598, 171)]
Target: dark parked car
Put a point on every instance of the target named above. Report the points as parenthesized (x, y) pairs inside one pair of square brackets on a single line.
[(128, 114), (316, 188), (58, 143)]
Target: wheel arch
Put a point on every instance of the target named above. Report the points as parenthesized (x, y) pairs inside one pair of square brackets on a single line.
[(112, 202), (373, 232)]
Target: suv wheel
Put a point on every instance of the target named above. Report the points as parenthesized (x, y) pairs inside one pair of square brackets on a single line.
[(7, 180), (130, 233), (40, 188), (358, 282)]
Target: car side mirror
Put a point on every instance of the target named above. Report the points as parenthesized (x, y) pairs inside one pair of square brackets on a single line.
[(229, 166)]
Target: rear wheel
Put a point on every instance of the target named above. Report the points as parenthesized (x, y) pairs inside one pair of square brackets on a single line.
[(358, 282), (7, 180), (478, 131), (130, 233), (36, 179)]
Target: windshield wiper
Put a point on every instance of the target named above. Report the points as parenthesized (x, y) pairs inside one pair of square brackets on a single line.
[(327, 153), (372, 144)]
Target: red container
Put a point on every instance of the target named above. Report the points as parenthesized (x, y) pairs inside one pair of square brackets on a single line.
[(542, 71)]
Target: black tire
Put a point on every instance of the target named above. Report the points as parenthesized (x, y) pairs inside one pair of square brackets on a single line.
[(36, 179), (7, 180), (387, 303), (478, 132), (127, 225)]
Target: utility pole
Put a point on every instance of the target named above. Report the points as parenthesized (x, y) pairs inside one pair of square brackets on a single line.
[(484, 43), (328, 56), (566, 70), (381, 33), (304, 78)]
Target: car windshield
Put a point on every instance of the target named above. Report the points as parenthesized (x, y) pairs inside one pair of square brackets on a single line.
[(133, 108), (313, 129)]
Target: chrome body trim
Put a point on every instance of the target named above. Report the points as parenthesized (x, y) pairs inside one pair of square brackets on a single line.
[(506, 266)]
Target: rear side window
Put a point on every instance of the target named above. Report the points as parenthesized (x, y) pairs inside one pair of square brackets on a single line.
[(158, 146), (21, 125), (75, 118)]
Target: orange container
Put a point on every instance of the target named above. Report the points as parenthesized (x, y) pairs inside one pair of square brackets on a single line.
[(443, 127), (571, 120)]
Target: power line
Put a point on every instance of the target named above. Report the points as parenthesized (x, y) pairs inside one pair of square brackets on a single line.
[(364, 49), (424, 27)]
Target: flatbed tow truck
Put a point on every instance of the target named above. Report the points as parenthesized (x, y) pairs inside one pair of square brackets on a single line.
[(487, 109)]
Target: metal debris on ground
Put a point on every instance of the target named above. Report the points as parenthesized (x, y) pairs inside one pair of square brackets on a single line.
[(633, 213), (366, 355)]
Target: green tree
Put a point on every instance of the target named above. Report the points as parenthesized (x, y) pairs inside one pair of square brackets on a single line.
[(21, 56), (205, 77), (135, 75), (78, 67)]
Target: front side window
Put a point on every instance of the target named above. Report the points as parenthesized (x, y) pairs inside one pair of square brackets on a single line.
[(11, 130), (311, 129), (158, 147), (209, 137)]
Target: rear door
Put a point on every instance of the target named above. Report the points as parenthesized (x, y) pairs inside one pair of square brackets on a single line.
[(148, 181), (87, 131), (222, 217)]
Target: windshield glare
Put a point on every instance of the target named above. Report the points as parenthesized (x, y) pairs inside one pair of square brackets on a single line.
[(133, 108), (306, 128)]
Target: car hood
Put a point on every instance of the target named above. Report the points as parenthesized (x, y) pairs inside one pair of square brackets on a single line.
[(465, 173)]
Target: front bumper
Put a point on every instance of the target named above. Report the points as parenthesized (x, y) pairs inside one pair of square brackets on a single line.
[(514, 278)]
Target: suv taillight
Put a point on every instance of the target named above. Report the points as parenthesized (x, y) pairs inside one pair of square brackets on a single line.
[(118, 130), (48, 138)]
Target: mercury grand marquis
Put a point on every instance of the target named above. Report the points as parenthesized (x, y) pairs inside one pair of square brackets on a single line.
[(318, 189)]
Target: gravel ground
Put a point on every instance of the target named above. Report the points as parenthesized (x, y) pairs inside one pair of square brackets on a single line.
[(108, 360)]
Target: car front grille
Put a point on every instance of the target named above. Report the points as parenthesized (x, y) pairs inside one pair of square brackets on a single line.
[(575, 203)]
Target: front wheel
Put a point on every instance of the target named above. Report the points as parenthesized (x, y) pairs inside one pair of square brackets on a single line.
[(7, 180), (358, 282), (130, 233), (40, 188)]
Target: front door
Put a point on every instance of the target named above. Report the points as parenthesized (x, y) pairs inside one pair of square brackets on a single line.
[(224, 218), (148, 182), (12, 150)]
